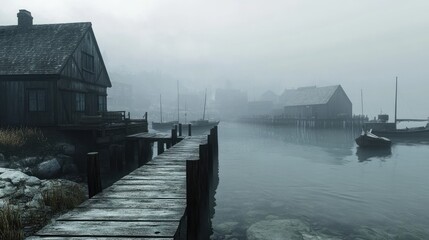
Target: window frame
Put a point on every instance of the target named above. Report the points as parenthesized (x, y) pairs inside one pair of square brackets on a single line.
[(102, 103), (80, 102), (39, 92)]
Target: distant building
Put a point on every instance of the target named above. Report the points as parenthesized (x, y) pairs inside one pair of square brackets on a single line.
[(316, 103), (50, 74), (269, 96), (230, 103), (259, 108)]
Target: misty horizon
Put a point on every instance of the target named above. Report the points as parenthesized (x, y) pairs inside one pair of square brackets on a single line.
[(256, 47)]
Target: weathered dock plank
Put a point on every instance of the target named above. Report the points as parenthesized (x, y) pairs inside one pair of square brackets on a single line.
[(125, 214), (135, 203), (148, 203), (110, 228)]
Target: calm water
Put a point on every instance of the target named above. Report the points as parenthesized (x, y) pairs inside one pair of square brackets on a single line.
[(320, 178)]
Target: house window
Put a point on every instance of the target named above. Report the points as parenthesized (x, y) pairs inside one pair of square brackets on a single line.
[(102, 107), (37, 100), (80, 102), (87, 62)]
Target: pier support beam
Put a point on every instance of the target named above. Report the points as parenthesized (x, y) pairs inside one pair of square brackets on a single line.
[(93, 172), (160, 147)]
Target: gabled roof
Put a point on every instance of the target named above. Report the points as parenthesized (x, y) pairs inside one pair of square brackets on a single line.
[(307, 95), (269, 96), (38, 49)]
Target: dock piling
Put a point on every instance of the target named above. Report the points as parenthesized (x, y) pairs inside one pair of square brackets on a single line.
[(174, 136), (93, 172), (189, 129), (180, 129), (160, 147)]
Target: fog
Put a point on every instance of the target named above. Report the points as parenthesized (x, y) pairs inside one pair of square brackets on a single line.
[(257, 46)]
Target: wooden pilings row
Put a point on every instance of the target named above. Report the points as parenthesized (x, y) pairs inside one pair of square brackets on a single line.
[(199, 178)]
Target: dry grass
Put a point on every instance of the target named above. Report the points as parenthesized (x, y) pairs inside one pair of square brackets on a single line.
[(15, 140), (60, 198), (10, 224)]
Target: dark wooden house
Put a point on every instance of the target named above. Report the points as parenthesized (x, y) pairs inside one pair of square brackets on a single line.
[(329, 102), (50, 74)]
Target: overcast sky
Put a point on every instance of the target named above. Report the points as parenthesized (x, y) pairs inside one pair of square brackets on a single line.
[(262, 45)]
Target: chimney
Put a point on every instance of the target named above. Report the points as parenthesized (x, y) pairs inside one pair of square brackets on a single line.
[(24, 18)]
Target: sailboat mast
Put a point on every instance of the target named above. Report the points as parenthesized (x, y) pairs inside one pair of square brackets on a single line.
[(160, 107), (361, 100), (178, 116), (396, 101), (205, 100)]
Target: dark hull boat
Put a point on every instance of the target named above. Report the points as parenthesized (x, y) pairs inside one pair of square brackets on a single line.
[(413, 133), (163, 126), (203, 124), (383, 128), (370, 140)]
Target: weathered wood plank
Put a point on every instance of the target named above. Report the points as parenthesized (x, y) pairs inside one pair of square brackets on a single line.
[(154, 177), (127, 214), (98, 238), (151, 182), (109, 229), (148, 203), (136, 203), (176, 188), (146, 194)]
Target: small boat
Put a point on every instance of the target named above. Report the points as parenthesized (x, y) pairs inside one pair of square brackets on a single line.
[(384, 128), (164, 126), (203, 124), (369, 140)]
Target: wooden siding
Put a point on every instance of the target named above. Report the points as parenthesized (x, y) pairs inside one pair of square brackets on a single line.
[(338, 106), (74, 68), (14, 104)]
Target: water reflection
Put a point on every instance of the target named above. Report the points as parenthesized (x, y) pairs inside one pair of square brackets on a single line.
[(338, 143), (367, 154), (271, 176)]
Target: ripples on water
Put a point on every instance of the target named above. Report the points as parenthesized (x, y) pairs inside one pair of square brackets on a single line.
[(322, 179)]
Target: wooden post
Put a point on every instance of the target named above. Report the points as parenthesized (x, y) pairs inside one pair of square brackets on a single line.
[(116, 157), (93, 172), (180, 129), (197, 196), (210, 154), (216, 141), (192, 199), (145, 152), (160, 147), (129, 152), (174, 136), (140, 153), (189, 130)]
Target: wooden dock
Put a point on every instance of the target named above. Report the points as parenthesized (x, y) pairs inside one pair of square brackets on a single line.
[(156, 201)]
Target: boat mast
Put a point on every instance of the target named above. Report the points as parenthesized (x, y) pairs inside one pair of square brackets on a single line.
[(361, 100), (205, 100), (186, 110), (160, 107), (178, 116), (396, 101)]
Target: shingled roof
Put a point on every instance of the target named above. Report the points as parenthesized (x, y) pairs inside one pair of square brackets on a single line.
[(38, 49), (308, 95)]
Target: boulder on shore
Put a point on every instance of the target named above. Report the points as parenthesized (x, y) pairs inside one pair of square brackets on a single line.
[(48, 169)]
